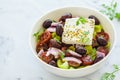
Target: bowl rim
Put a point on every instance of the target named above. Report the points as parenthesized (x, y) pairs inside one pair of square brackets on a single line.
[(67, 70)]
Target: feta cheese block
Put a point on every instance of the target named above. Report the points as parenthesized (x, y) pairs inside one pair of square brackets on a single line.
[(78, 31)]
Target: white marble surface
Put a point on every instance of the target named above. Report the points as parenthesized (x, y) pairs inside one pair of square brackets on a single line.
[(17, 17)]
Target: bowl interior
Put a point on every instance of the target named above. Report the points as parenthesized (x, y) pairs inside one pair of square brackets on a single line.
[(76, 11)]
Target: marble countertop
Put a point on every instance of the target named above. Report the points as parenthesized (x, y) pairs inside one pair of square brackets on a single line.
[(17, 17)]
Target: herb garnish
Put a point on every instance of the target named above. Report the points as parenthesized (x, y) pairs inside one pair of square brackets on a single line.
[(86, 32), (110, 10), (81, 20), (38, 34), (111, 76), (117, 16)]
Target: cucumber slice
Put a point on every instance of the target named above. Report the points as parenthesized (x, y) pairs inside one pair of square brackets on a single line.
[(62, 65)]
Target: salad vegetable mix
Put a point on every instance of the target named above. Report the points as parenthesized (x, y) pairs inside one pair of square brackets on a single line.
[(72, 43)]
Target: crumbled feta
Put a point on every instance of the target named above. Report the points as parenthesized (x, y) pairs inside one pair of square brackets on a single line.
[(78, 33)]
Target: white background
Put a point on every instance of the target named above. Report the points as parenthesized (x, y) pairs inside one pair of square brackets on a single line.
[(17, 18)]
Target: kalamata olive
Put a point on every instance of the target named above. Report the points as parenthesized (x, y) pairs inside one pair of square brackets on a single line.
[(47, 23), (103, 50), (65, 16), (59, 29), (99, 56), (97, 22), (86, 60), (94, 43), (81, 50), (53, 63), (66, 45), (101, 41), (45, 58), (54, 43), (73, 64)]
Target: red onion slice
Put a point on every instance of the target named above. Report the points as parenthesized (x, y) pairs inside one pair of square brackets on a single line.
[(51, 29), (53, 25), (40, 52), (74, 53), (100, 53), (73, 59), (54, 51)]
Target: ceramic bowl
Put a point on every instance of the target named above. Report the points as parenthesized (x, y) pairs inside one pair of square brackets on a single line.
[(76, 11)]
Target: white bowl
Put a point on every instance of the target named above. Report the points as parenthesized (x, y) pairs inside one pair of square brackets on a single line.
[(76, 11)]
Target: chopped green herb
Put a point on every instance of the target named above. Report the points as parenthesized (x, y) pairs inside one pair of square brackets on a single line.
[(81, 20), (38, 34), (110, 76), (86, 40), (86, 32)]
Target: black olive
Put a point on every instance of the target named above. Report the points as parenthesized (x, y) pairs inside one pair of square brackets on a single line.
[(101, 41), (81, 50), (45, 47), (97, 22), (47, 23), (59, 29), (66, 45), (53, 63), (65, 16), (54, 43)]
